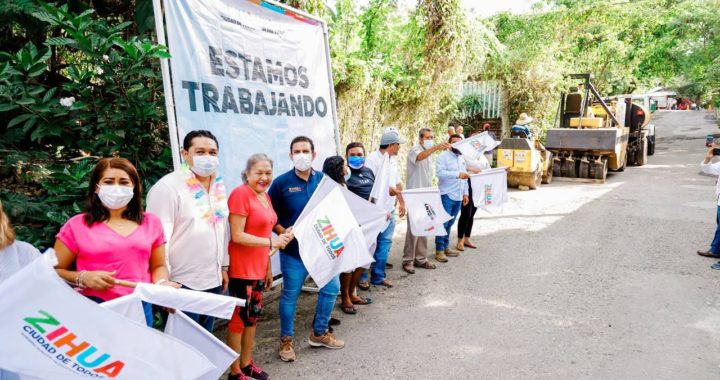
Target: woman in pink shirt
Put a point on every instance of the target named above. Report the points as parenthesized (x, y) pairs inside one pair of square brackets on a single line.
[(113, 239)]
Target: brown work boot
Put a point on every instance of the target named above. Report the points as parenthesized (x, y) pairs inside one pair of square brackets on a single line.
[(287, 353), (440, 256), (327, 340), (451, 252)]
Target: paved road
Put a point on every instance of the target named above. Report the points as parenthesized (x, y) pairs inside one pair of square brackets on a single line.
[(571, 281)]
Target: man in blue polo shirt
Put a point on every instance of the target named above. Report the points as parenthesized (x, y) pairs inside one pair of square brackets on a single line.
[(289, 193)]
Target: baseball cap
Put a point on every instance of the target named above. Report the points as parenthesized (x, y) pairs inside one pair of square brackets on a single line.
[(391, 136)]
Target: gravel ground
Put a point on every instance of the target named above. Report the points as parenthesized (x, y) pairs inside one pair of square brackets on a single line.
[(571, 281)]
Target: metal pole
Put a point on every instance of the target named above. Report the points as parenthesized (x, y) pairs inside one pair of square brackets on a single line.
[(167, 86), (332, 89)]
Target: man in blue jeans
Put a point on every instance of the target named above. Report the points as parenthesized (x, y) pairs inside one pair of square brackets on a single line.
[(390, 144), (453, 184), (709, 167), (289, 193)]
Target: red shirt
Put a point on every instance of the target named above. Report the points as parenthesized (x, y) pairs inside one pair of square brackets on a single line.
[(250, 263)]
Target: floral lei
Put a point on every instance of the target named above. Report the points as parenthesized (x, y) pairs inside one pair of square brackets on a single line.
[(216, 209)]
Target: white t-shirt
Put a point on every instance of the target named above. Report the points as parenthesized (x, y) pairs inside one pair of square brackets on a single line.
[(196, 249), (14, 257)]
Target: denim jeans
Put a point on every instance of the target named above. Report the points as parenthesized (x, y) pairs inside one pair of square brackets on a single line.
[(715, 245), (294, 274), (382, 251), (207, 322), (453, 208)]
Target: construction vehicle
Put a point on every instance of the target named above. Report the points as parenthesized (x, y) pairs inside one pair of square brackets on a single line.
[(593, 136), (642, 106), (529, 162)]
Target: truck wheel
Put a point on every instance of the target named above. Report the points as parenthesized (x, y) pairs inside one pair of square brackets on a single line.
[(651, 145), (569, 166), (584, 171), (642, 155), (556, 165), (601, 170)]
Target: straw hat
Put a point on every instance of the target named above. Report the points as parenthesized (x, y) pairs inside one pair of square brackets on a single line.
[(524, 119)]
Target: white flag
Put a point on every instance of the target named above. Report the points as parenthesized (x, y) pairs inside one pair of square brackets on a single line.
[(183, 328), (130, 306), (426, 213), (50, 331), (192, 301), (489, 189), (330, 239), (186, 330), (371, 217), (474, 146), (380, 193)]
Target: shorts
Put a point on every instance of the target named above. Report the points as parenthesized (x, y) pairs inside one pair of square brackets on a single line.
[(252, 292)]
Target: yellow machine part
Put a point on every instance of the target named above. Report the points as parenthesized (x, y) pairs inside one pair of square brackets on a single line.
[(518, 160), (599, 111), (588, 122)]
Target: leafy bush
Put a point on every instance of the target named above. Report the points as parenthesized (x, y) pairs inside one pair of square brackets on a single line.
[(87, 92)]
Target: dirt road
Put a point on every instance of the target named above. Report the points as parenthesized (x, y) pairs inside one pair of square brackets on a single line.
[(570, 281)]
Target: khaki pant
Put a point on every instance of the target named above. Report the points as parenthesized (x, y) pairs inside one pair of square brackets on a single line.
[(415, 248)]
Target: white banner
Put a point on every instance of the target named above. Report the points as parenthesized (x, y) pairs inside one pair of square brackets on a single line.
[(474, 146), (426, 213), (50, 331), (255, 75), (489, 189), (330, 239)]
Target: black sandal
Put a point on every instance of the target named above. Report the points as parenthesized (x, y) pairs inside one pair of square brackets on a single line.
[(363, 301), (348, 309)]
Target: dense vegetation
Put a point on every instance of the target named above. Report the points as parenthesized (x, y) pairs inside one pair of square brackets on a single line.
[(80, 82)]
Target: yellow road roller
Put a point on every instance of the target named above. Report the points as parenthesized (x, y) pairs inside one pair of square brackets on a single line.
[(529, 162)]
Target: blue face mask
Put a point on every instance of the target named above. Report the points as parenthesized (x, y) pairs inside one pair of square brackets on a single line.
[(356, 162)]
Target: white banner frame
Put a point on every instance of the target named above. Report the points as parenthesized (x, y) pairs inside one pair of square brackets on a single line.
[(167, 75)]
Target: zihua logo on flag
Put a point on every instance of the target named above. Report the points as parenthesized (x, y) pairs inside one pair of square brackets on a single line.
[(61, 345), (325, 231), (488, 194), (431, 213)]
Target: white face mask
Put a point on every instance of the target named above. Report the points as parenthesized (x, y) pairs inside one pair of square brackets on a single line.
[(115, 196), (205, 166), (427, 144), (302, 161)]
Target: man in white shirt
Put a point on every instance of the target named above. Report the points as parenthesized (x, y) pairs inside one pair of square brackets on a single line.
[(192, 205), (390, 144), (419, 175), (714, 169)]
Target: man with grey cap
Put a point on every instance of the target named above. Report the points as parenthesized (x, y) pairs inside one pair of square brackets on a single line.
[(390, 144)]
